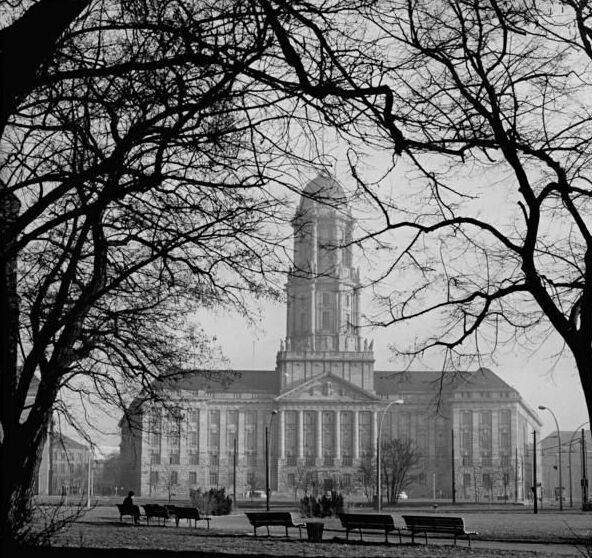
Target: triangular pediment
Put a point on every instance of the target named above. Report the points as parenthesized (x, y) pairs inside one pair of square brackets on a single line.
[(327, 387)]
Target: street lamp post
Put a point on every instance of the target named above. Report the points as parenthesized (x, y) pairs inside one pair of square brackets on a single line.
[(89, 479), (378, 438), (267, 429), (543, 408), (583, 471)]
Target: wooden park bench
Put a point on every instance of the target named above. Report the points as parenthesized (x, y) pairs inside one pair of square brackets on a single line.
[(270, 519), (368, 522), (132, 511), (189, 513), (437, 524), (156, 510)]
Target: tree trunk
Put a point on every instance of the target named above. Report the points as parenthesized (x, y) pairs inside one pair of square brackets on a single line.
[(20, 465)]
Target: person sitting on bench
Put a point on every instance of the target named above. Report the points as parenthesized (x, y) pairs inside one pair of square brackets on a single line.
[(128, 502)]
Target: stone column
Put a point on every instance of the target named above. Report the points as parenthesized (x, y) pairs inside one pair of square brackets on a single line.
[(282, 435), (203, 447), (319, 451), (223, 449), (240, 437), (300, 434), (337, 435), (374, 435), (356, 434)]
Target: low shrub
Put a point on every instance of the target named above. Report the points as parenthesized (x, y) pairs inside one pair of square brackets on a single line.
[(213, 502), (325, 506)]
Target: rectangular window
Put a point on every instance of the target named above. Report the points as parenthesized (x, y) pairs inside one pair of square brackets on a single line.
[(174, 459), (214, 430), (347, 437), (214, 459), (154, 429), (193, 436), (309, 434), (365, 432), (155, 457), (328, 437), (505, 438), (485, 441), (231, 431), (466, 437), (174, 478), (467, 480), (213, 478), (153, 478), (193, 457), (291, 435), (291, 480), (404, 424), (442, 445), (192, 478), (487, 481), (251, 437)]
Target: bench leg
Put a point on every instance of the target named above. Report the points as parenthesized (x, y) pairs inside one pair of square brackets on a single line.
[(386, 536), (426, 536), (286, 531), (255, 530), (268, 533), (360, 530)]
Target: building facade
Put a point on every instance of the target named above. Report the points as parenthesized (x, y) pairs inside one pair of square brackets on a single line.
[(319, 413), (572, 453)]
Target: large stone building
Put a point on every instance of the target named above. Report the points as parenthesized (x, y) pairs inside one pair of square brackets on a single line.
[(324, 403), (572, 453)]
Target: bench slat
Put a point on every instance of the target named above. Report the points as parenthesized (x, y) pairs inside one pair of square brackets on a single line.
[(368, 521), (437, 524), (273, 519)]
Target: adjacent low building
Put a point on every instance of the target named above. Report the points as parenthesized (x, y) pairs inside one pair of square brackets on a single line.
[(315, 419)]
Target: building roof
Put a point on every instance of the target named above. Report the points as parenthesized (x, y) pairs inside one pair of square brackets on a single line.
[(551, 441), (234, 381), (395, 382), (66, 442), (386, 383), (323, 192)]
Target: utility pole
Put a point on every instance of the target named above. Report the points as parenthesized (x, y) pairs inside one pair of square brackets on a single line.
[(267, 468), (453, 471), (584, 473), (89, 487), (516, 476), (534, 472), (234, 474)]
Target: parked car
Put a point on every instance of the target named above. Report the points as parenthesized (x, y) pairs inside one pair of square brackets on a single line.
[(256, 494), (403, 495)]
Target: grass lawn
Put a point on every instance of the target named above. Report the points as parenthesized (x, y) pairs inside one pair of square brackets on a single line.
[(519, 530)]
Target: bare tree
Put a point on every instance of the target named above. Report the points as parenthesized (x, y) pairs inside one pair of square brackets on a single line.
[(366, 476), (486, 112), (143, 149), (397, 458)]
